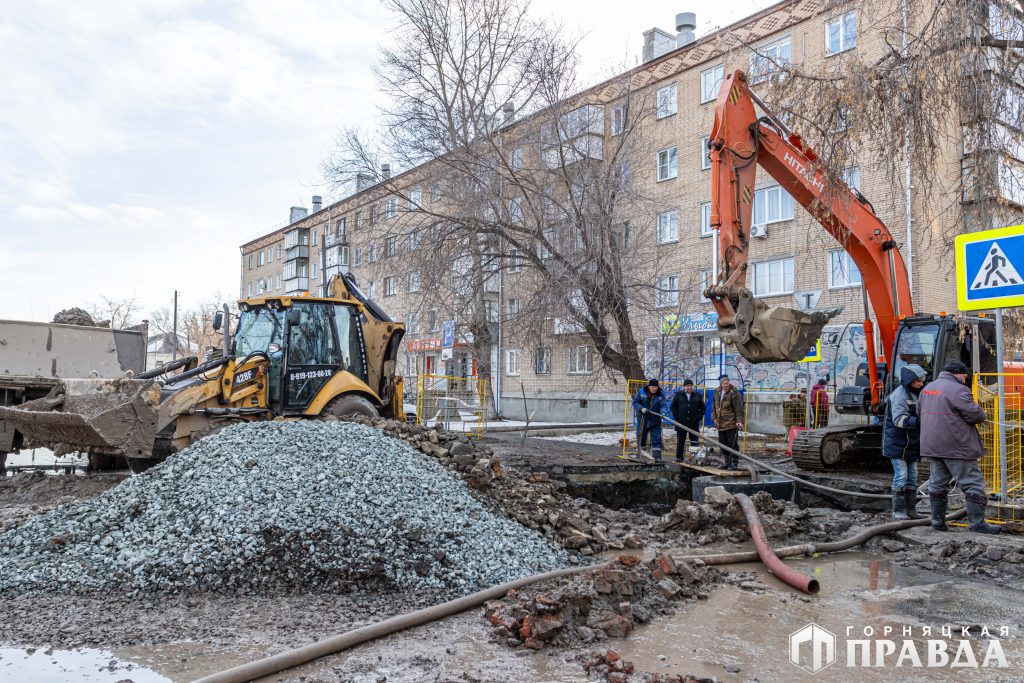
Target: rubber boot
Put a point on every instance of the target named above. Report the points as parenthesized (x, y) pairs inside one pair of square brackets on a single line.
[(899, 505), (910, 496), (656, 452), (938, 512), (976, 518)]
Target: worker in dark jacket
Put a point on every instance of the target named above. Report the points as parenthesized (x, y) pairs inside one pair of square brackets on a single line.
[(650, 403), (688, 410), (727, 414), (949, 437), (901, 441)]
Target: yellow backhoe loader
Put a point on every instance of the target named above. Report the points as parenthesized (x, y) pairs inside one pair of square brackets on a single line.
[(298, 356)]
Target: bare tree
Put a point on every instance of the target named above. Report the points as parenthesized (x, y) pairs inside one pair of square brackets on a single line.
[(540, 206), (116, 313)]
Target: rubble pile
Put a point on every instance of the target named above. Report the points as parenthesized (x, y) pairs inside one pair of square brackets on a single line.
[(532, 499), (611, 667), (722, 519), (74, 316), (277, 506), (606, 602), (961, 555)]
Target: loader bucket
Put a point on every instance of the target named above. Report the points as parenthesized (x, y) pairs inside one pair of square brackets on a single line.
[(766, 334), (109, 416)]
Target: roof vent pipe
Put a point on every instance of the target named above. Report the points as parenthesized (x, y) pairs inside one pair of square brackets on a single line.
[(385, 171), (686, 23), (318, 203), (508, 111)]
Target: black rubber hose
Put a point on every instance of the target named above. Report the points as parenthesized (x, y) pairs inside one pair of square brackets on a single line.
[(292, 658)]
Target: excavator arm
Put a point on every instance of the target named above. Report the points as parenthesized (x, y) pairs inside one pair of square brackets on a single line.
[(741, 141)]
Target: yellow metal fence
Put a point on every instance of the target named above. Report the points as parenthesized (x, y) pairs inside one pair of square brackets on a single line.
[(459, 403), (986, 391)]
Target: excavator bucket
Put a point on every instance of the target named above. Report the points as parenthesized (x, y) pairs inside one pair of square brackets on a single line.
[(766, 334), (109, 416)]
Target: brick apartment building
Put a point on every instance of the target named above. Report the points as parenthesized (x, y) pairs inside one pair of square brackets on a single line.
[(560, 374)]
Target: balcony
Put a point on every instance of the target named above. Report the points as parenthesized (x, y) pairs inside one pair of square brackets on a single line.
[(299, 251), (296, 285), (336, 238), (297, 237)]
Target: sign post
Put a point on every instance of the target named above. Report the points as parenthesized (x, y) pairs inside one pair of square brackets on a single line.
[(812, 356), (988, 276)]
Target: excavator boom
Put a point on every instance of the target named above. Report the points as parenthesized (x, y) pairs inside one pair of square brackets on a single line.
[(741, 141)]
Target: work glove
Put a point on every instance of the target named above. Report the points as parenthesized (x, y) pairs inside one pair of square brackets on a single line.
[(643, 411)]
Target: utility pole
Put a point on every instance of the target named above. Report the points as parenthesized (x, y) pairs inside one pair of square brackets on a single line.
[(174, 344)]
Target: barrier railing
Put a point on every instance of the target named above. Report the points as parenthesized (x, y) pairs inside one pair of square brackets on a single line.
[(459, 403), (1002, 431)]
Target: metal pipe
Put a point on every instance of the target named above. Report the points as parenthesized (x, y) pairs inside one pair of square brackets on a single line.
[(776, 566)]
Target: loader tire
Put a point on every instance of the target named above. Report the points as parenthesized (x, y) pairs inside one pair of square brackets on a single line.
[(349, 404)]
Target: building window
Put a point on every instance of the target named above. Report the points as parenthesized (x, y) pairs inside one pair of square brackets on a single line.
[(711, 82), (259, 259), (491, 311), (390, 285), (548, 236), (343, 255), (579, 360), (515, 159), (411, 323), (415, 198), (542, 361), (705, 157), (432, 322), (668, 226), (261, 286), (770, 59), (250, 261), (512, 362), (390, 246), (357, 257), (841, 33), (772, 278), (668, 167), (435, 191), (513, 307), (619, 114), (515, 209), (373, 214), (359, 219), (851, 176), (492, 281), (668, 101), (668, 291), (705, 282), (315, 233), (270, 255), (515, 261), (705, 220), (842, 271), (414, 280), (391, 207), (248, 290), (280, 251), (279, 281), (340, 229), (371, 289), (371, 252), (771, 205), (414, 241), (312, 270)]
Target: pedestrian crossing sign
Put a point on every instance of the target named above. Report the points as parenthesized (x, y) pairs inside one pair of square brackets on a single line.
[(989, 265)]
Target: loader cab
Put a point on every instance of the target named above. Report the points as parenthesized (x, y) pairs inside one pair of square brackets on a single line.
[(932, 341), (306, 343)]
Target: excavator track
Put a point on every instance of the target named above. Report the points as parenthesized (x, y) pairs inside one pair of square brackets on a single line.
[(832, 449)]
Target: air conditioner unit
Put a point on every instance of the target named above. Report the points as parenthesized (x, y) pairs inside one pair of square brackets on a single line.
[(759, 230)]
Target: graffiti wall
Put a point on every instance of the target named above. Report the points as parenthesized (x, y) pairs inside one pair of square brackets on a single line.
[(700, 356)]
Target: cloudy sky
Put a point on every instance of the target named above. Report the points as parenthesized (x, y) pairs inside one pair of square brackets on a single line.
[(144, 140)]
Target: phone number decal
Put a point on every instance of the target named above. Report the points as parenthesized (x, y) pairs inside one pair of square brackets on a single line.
[(310, 374)]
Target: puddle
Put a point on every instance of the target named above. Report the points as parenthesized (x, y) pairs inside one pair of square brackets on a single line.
[(169, 663), (751, 631)]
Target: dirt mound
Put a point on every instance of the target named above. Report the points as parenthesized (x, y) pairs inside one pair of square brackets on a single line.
[(74, 316)]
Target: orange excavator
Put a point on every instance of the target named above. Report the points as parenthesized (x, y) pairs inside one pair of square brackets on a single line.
[(740, 141)]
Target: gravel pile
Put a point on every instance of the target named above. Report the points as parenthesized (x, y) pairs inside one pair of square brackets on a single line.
[(277, 506)]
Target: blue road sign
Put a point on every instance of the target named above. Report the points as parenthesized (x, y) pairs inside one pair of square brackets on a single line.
[(989, 265), (448, 334), (813, 354)]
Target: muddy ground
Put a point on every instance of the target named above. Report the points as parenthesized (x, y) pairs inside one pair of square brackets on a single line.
[(737, 631)]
